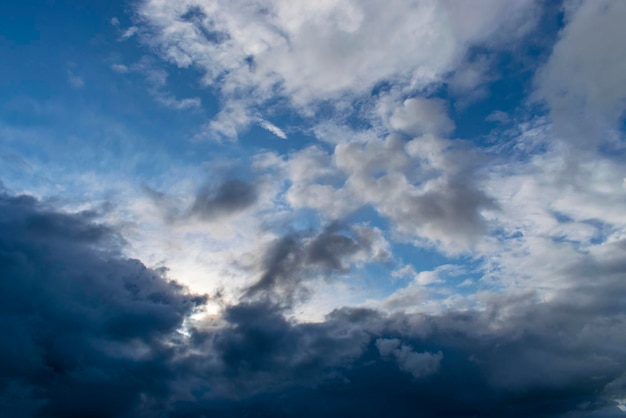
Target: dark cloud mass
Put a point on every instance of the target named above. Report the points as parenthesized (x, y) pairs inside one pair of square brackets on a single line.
[(84, 331), (89, 333)]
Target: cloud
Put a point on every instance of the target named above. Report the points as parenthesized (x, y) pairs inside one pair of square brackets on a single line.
[(297, 257), (228, 121), (120, 68), (85, 330), (317, 53), (418, 116), (513, 303), (423, 291), (156, 79), (426, 186), (427, 277), (498, 116), (555, 207), (228, 198), (74, 80), (273, 129), (128, 33), (211, 202), (418, 364), (470, 81), (179, 104), (102, 335), (583, 82), (557, 356)]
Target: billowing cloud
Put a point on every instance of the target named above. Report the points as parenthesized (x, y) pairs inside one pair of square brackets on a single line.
[(85, 330), (101, 335), (471, 363), (425, 186)]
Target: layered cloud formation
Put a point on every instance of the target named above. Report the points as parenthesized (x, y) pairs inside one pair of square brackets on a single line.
[(88, 332), (341, 208)]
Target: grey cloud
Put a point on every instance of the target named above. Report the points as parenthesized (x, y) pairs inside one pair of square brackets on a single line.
[(428, 187), (451, 210), (516, 357), (210, 203), (294, 258), (328, 250), (230, 197), (458, 364), (167, 206), (87, 332)]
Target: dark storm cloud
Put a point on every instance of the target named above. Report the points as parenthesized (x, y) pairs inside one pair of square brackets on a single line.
[(86, 332), (230, 197), (539, 361), (517, 357)]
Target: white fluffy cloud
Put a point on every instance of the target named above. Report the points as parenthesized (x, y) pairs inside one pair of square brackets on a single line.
[(308, 52), (584, 81), (419, 116)]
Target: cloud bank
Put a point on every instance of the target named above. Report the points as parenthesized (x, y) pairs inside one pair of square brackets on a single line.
[(101, 335)]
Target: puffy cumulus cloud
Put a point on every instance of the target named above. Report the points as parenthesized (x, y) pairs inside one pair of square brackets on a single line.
[(426, 186), (583, 82), (310, 52), (418, 116)]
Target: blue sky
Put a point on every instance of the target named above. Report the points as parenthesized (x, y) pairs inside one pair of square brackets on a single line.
[(413, 159)]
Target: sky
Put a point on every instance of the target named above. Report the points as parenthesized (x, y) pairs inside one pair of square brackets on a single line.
[(342, 208)]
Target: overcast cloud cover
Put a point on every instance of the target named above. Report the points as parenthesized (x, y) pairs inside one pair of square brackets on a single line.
[(298, 209)]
